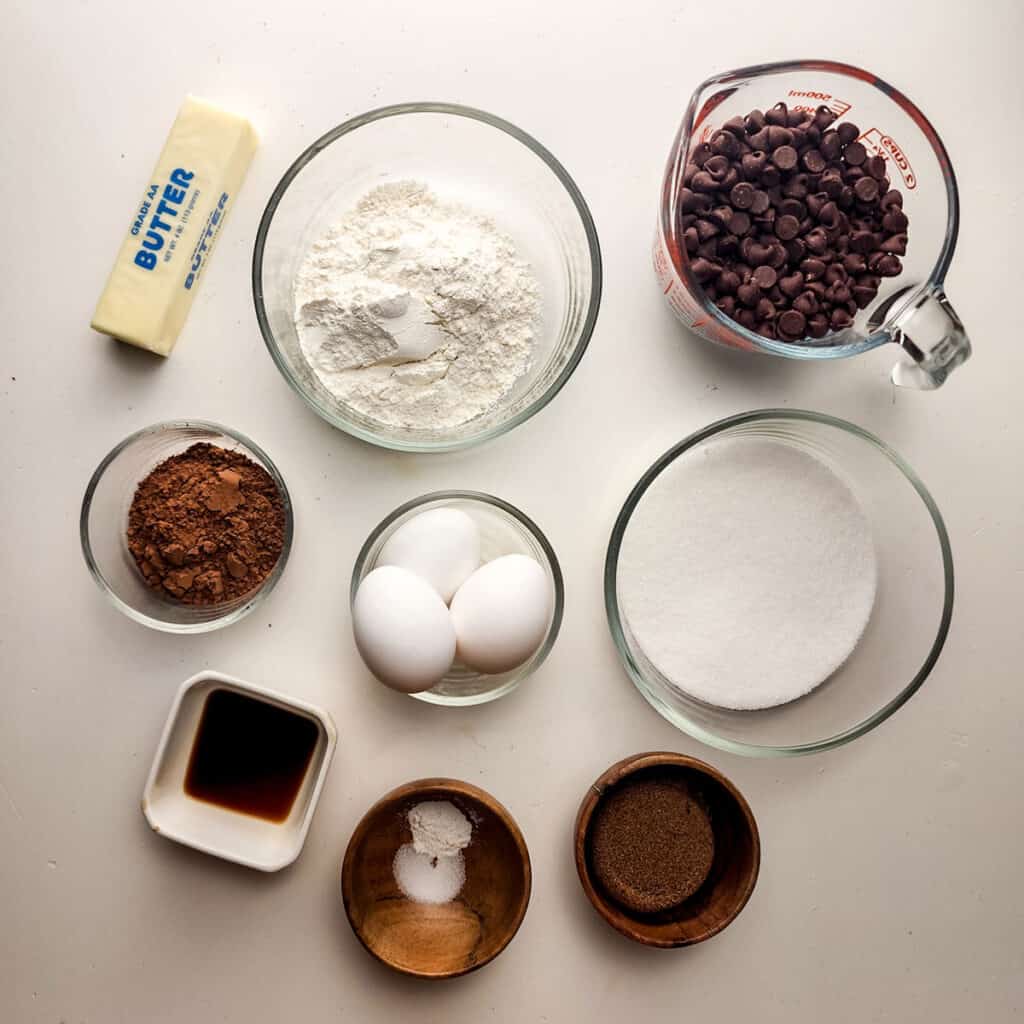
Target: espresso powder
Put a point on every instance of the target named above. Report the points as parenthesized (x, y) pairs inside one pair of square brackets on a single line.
[(207, 525), (652, 843)]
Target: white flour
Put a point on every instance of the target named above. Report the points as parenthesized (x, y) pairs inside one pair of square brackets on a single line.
[(415, 312), (747, 573)]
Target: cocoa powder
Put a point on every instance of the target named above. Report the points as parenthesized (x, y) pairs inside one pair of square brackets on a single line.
[(207, 525)]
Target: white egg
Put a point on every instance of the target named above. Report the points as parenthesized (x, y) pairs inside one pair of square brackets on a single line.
[(403, 630), (442, 545), (501, 613)]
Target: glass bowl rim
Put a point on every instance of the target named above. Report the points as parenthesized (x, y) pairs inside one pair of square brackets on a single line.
[(207, 625), (680, 719), (560, 173), (667, 225), (541, 654)]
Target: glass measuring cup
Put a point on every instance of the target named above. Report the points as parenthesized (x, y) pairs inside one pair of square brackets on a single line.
[(912, 309)]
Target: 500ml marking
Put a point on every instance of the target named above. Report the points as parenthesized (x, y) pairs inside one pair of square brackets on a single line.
[(811, 100), (877, 142), (814, 99)]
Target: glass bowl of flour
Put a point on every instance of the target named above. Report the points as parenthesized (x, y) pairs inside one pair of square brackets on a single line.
[(779, 583), (426, 276)]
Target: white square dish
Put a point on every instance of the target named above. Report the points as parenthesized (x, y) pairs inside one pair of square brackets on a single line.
[(233, 835)]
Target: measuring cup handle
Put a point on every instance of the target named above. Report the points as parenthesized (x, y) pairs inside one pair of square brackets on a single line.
[(932, 334)]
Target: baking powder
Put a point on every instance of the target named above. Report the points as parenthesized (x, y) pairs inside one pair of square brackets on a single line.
[(415, 312), (431, 869)]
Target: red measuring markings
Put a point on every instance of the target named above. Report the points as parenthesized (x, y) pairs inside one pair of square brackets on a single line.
[(883, 145), (814, 99)]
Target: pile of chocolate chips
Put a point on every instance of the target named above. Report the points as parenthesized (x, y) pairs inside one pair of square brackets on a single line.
[(789, 224)]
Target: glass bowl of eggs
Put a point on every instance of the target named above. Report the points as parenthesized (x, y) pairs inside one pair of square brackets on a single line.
[(456, 598)]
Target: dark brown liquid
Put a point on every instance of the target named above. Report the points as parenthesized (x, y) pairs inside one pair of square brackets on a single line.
[(249, 755)]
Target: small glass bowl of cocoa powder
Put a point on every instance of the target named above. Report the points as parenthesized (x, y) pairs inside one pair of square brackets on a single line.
[(186, 526)]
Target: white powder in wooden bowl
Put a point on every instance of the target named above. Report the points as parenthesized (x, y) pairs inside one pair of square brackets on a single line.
[(747, 573)]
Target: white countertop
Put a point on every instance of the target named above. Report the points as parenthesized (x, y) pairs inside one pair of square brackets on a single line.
[(890, 886)]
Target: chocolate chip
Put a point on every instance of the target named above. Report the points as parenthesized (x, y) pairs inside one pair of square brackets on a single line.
[(812, 269), (764, 277), (830, 146), (855, 154), (847, 132), (875, 166), (704, 269), (736, 126), (828, 215), (895, 220), (889, 266), (863, 296), (834, 273), (817, 326), (791, 324), (739, 223), (742, 195), (866, 189), (770, 176), (785, 158), (792, 285), (896, 244), (814, 161), (759, 202), (748, 294), (702, 181), (840, 319), (816, 241), (795, 251), (764, 310), (796, 187), (806, 303), (779, 114), (725, 144), (728, 281), (778, 137), (892, 198), (862, 241), (753, 164), (754, 121), (718, 166), (793, 208), (787, 227), (823, 117)]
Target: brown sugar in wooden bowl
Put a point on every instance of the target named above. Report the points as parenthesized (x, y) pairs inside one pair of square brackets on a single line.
[(667, 849), (437, 940)]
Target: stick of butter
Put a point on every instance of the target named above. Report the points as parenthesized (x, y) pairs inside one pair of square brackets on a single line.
[(200, 170)]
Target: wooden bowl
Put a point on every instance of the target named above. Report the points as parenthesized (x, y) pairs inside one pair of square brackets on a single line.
[(437, 940), (737, 855)]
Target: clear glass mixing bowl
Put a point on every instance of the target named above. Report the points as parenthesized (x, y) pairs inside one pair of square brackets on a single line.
[(909, 621), (104, 518), (463, 154), (504, 530)]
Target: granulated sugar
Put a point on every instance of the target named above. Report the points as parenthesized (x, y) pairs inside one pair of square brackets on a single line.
[(747, 573)]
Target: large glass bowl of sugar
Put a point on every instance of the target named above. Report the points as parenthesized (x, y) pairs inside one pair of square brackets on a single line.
[(465, 156), (779, 583)]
